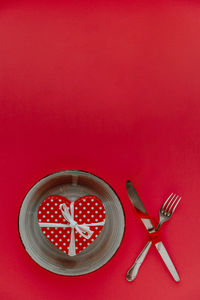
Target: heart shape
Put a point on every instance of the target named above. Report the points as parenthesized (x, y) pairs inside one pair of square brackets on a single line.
[(71, 226)]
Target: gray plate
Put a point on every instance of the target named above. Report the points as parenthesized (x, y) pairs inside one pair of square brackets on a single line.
[(71, 184)]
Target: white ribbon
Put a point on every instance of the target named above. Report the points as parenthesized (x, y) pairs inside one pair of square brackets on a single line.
[(83, 229)]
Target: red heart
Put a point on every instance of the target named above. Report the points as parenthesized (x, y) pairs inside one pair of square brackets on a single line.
[(87, 210)]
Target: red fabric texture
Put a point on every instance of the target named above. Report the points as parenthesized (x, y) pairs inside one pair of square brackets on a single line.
[(112, 88)]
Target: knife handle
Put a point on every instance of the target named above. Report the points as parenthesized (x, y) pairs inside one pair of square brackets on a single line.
[(132, 272)]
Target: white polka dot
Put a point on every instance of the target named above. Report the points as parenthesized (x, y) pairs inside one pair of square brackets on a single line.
[(44, 216), (96, 204), (84, 240), (56, 220), (80, 212), (52, 216), (52, 208), (96, 235), (76, 216), (68, 231), (84, 247), (56, 244), (76, 247), (92, 207), (44, 208), (60, 200), (88, 244), (48, 236), (104, 211), (60, 231), (56, 236), (60, 216), (60, 248), (92, 216), (60, 240), (47, 212), (56, 212), (84, 207), (100, 207), (92, 200), (64, 235), (80, 204), (80, 244), (100, 216), (88, 220), (64, 244), (56, 204), (48, 228), (96, 227), (92, 240), (68, 240), (39, 212), (88, 211), (47, 220), (47, 204), (64, 251), (80, 220), (44, 231), (96, 220), (51, 200), (52, 240), (84, 200), (96, 212), (52, 231), (56, 228)]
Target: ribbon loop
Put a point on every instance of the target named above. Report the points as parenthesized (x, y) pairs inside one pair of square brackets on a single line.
[(82, 228), (155, 237)]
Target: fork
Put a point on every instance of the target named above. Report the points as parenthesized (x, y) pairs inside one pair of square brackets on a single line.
[(167, 209), (165, 213)]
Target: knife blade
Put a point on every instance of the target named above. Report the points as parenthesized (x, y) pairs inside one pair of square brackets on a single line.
[(137, 203)]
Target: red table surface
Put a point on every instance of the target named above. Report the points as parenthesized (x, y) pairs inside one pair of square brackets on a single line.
[(110, 87)]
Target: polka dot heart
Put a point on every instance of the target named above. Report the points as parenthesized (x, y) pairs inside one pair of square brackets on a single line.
[(71, 226)]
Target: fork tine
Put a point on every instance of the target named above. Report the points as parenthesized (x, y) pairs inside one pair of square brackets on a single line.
[(169, 203), (172, 204), (168, 199), (175, 205)]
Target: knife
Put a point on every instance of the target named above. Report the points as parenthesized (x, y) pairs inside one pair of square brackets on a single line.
[(137, 203)]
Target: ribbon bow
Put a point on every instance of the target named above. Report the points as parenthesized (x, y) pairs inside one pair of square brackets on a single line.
[(81, 229)]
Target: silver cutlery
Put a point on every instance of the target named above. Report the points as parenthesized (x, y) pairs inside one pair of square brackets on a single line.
[(165, 214), (167, 209)]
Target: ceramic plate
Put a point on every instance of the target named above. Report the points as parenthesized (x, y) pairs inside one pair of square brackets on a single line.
[(71, 184)]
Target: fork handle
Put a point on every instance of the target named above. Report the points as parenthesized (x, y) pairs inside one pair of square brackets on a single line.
[(158, 227), (132, 272)]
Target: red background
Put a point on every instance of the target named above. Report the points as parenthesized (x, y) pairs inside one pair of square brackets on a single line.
[(111, 88)]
